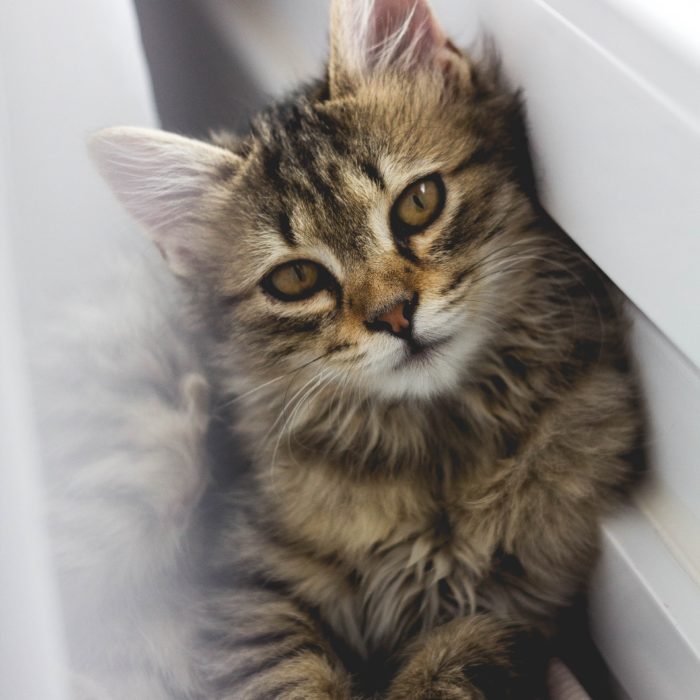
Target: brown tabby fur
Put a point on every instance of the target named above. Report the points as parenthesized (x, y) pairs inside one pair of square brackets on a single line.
[(406, 529)]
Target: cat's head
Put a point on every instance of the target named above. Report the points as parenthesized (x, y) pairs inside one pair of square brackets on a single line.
[(365, 227)]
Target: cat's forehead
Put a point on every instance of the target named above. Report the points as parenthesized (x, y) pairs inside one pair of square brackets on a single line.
[(300, 142), (390, 118), (325, 170), (307, 167)]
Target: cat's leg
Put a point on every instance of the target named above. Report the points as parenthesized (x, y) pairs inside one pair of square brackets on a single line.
[(473, 658), (259, 644)]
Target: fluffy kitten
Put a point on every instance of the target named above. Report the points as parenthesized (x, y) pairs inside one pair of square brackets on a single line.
[(430, 378), (123, 410)]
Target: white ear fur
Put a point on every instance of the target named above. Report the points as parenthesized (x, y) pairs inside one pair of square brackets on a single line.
[(370, 36), (163, 180)]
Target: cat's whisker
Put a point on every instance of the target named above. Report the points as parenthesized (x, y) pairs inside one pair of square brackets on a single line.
[(288, 426), (281, 432), (317, 389), (303, 367), (239, 397), (286, 403), (250, 392), (319, 380)]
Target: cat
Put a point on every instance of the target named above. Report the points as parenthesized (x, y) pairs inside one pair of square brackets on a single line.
[(431, 380)]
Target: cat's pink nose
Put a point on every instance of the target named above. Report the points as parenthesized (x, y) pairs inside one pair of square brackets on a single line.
[(395, 320)]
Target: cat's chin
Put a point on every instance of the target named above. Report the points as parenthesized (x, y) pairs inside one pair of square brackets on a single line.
[(418, 382), (427, 372)]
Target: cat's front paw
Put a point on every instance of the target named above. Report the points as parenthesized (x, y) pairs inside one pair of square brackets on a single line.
[(479, 657)]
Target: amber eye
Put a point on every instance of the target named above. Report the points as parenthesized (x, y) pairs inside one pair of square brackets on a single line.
[(295, 280), (418, 206)]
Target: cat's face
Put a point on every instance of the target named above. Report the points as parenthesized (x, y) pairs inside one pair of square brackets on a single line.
[(362, 230)]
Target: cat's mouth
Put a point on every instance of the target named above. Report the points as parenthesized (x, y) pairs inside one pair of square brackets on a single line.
[(419, 352)]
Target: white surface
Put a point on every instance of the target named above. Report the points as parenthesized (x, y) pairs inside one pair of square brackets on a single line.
[(68, 69), (655, 40), (283, 43), (640, 601), (31, 651), (65, 70), (671, 499), (675, 23), (619, 159)]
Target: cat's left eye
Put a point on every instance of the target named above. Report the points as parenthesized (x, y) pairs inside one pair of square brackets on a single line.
[(418, 206), (296, 280)]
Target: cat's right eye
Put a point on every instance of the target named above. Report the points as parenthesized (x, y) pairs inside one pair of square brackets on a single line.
[(296, 280), (418, 206)]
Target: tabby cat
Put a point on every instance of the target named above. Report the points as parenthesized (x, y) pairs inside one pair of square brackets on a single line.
[(430, 379)]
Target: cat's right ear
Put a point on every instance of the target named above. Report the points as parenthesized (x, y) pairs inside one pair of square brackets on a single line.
[(169, 183), (371, 37)]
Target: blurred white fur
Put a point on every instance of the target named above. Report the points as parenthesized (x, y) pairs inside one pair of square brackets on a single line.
[(123, 413)]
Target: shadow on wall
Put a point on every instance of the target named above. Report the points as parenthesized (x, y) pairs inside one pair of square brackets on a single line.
[(198, 85)]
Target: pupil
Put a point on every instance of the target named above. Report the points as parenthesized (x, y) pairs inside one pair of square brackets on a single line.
[(418, 202), (299, 272)]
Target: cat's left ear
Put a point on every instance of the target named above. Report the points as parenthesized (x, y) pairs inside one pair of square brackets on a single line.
[(172, 185), (369, 37)]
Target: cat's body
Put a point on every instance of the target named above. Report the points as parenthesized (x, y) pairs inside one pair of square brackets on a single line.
[(385, 520), (431, 381)]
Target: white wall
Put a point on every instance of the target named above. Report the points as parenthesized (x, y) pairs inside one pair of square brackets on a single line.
[(66, 69), (285, 42)]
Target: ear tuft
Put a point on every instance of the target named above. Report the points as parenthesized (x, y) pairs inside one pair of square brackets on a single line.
[(372, 36), (164, 181)]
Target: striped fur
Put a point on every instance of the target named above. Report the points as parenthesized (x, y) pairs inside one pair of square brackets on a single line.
[(408, 527)]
